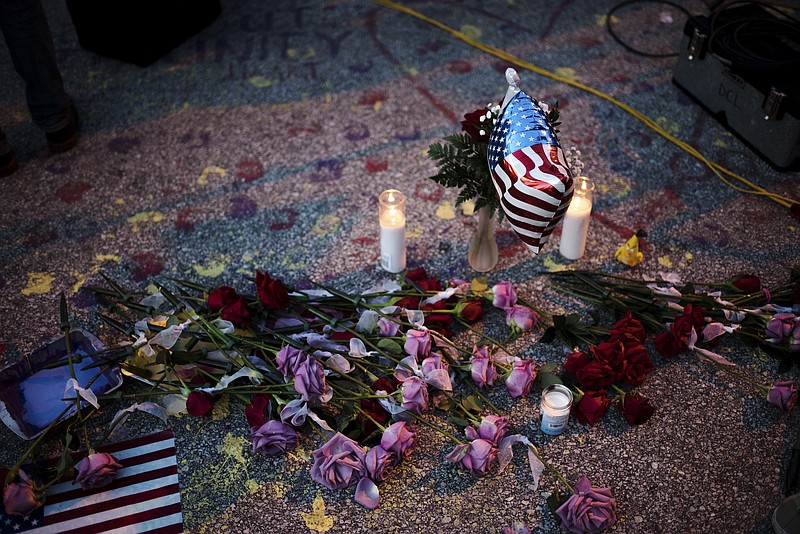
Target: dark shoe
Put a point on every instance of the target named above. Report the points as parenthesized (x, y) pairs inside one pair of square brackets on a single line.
[(65, 138), (8, 164), (786, 517)]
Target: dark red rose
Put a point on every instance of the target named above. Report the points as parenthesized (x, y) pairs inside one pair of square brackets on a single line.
[(429, 284), (472, 311), (795, 298), (575, 362), (668, 345), (341, 336), (595, 375), (374, 409), (258, 411), (417, 274), (271, 292), (200, 403), (473, 127), (221, 297), (635, 408), (612, 353), (409, 303), (697, 314), (746, 283), (638, 365), (237, 313), (682, 328), (437, 321), (592, 406), (387, 384), (627, 327)]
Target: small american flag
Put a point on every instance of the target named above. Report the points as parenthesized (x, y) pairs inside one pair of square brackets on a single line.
[(144, 497), (526, 162)]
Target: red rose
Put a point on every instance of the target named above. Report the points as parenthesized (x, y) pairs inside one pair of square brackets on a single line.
[(409, 303), (374, 409), (595, 375), (471, 311), (258, 411), (795, 298), (575, 362), (668, 345), (417, 274), (592, 406), (612, 353), (682, 328), (628, 326), (473, 126), (200, 403), (341, 336), (638, 365), (746, 283), (437, 321), (635, 408), (429, 284), (697, 314), (271, 292), (387, 384), (237, 313), (221, 297)]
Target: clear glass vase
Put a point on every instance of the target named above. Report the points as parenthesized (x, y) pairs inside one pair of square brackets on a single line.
[(483, 255)]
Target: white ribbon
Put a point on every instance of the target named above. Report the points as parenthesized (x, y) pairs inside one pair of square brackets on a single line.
[(296, 412), (147, 407), (73, 389), (416, 317), (254, 376), (358, 349), (441, 295), (368, 321), (505, 454), (713, 356)]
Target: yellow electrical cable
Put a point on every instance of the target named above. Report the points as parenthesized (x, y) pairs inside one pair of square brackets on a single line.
[(715, 168)]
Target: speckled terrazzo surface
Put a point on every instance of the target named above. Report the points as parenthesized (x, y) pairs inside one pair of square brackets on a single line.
[(263, 142)]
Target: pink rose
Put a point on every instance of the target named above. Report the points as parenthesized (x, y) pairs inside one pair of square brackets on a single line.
[(309, 382), (783, 394), (482, 368), (589, 510), (23, 497), (398, 438), (504, 295), (338, 463), (477, 457), (274, 437), (521, 379), (379, 463), (415, 394), (493, 428), (387, 327), (288, 359), (418, 343), (97, 470), (521, 318)]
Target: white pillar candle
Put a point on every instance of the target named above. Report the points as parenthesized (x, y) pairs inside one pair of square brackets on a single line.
[(554, 409), (576, 220), (392, 218)]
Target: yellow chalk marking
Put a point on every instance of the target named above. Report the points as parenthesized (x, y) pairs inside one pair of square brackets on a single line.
[(211, 169), (601, 20), (221, 408), (414, 233), (317, 520), (214, 266), (412, 70), (568, 73), (326, 225), (445, 211), (280, 489), (468, 208), (669, 125), (665, 261), (39, 284), (251, 485), (553, 266), (145, 217), (689, 256)]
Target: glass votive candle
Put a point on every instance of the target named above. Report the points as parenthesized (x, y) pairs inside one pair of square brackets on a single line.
[(392, 218), (554, 409), (575, 226)]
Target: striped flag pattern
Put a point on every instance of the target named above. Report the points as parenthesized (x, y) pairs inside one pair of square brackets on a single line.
[(144, 497), (526, 163)]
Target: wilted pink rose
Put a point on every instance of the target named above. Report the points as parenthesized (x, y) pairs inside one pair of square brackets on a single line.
[(338, 463), (289, 358), (274, 437), (379, 462), (482, 368), (521, 379), (779, 328), (23, 497), (589, 510), (477, 456), (504, 295), (415, 394), (398, 438), (309, 382), (418, 343), (97, 470), (521, 318), (387, 327), (783, 394), (493, 428)]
